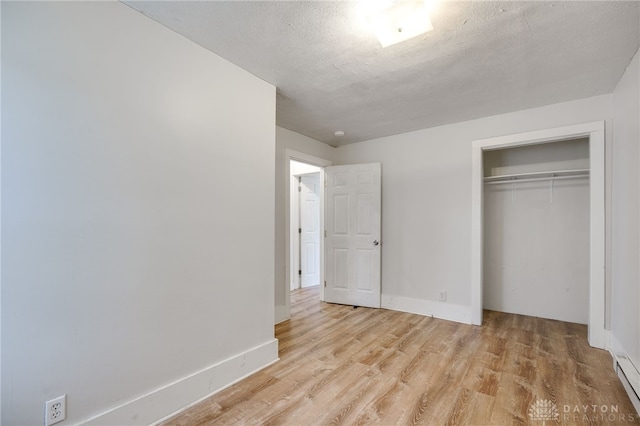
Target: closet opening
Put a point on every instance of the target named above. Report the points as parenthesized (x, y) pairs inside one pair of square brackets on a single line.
[(536, 230), (538, 226)]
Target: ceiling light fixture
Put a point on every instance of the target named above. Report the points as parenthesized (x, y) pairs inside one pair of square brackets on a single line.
[(393, 21)]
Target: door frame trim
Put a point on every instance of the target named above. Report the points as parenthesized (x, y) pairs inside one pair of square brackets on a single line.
[(289, 155), (597, 296)]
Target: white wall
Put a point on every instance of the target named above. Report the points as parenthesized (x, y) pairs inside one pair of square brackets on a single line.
[(288, 140), (625, 313), (536, 234), (426, 201), (298, 168), (125, 240)]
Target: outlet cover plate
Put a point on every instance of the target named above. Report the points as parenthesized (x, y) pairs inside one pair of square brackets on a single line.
[(55, 410)]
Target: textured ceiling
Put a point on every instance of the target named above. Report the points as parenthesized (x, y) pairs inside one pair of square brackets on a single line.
[(483, 58)]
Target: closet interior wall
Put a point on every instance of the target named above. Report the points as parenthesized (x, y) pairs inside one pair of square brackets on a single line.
[(536, 230)]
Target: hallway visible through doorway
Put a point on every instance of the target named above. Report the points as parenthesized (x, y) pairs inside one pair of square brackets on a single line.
[(305, 225)]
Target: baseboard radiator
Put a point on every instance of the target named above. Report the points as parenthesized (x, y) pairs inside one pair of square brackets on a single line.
[(630, 378)]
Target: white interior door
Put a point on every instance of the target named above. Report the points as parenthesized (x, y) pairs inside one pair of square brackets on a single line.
[(352, 226), (310, 229)]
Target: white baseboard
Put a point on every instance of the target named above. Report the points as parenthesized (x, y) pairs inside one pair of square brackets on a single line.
[(168, 400), (626, 369), (282, 313), (430, 308)]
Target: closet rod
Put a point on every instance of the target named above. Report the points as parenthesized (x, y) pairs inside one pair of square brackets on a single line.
[(529, 177), (497, 182)]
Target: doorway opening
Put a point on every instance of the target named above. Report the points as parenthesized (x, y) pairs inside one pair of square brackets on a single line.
[(351, 233), (292, 254)]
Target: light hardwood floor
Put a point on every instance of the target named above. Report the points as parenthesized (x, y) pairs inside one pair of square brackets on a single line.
[(340, 365)]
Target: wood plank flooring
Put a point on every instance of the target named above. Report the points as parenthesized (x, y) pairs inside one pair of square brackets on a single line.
[(340, 365)]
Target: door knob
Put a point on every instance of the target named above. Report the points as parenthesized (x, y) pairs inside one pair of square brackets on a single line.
[(376, 242)]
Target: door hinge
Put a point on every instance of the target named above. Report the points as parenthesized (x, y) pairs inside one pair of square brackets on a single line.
[(299, 271), (299, 230), (325, 234), (325, 283), (299, 189)]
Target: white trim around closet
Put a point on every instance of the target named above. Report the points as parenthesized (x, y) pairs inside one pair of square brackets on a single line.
[(595, 132)]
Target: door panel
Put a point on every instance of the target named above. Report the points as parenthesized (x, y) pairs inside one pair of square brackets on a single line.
[(364, 260), (353, 234), (364, 219), (310, 229), (340, 214)]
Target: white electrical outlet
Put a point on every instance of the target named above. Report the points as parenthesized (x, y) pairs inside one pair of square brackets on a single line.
[(442, 296), (55, 410)]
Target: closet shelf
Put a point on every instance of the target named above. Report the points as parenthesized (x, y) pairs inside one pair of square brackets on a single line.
[(528, 177)]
